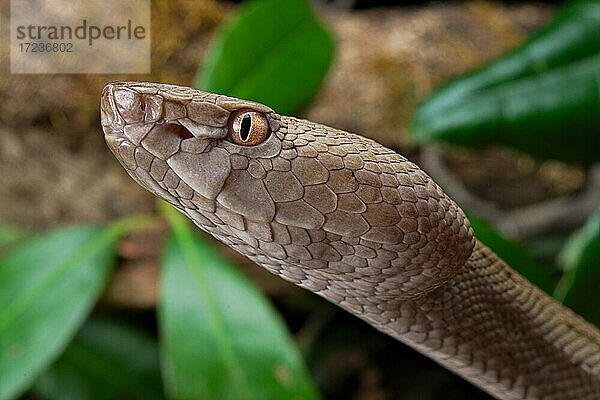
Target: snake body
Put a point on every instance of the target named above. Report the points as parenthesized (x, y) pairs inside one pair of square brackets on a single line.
[(356, 223)]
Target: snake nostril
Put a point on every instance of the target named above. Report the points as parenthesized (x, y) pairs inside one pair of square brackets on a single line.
[(129, 105)]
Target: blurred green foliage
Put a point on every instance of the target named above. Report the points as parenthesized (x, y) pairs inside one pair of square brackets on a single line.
[(543, 98), (273, 52), (107, 359), (48, 285), (580, 259)]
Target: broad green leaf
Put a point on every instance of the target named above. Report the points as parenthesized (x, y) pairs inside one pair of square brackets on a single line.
[(541, 98), (220, 338), (274, 52), (106, 360), (552, 115), (514, 255), (579, 289), (48, 284), (572, 35)]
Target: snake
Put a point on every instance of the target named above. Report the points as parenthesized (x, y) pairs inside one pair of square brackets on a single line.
[(356, 223)]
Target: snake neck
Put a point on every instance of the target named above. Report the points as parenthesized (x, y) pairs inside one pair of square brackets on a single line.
[(491, 326)]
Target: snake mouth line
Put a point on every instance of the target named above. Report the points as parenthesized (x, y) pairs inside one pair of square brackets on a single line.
[(129, 113), (136, 133)]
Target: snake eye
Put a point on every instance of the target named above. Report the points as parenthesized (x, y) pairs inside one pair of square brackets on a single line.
[(248, 128)]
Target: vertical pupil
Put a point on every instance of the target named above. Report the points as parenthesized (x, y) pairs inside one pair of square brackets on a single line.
[(245, 127)]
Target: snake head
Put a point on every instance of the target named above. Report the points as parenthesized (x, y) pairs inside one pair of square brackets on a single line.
[(165, 136), (324, 208)]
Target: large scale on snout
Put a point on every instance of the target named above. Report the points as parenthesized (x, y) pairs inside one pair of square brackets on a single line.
[(356, 223)]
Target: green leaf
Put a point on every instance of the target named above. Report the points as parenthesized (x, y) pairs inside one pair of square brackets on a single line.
[(553, 115), (48, 285), (220, 338), (514, 255), (572, 35), (273, 52), (530, 98), (106, 360), (579, 289)]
